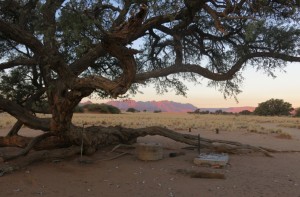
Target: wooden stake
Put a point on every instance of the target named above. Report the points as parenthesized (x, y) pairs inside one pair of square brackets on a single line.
[(199, 144)]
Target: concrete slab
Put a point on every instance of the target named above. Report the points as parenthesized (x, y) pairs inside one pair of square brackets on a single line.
[(212, 159)]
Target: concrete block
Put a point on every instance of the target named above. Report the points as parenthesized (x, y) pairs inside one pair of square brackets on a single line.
[(149, 151), (212, 159)]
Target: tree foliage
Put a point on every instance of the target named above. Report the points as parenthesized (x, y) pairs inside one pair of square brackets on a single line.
[(273, 107), (297, 114), (78, 109), (198, 111), (245, 112), (102, 108), (133, 110), (58, 52)]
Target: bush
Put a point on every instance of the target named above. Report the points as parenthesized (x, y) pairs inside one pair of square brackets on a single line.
[(198, 111), (273, 107), (103, 108), (297, 114), (245, 112), (157, 111), (133, 110), (78, 109)]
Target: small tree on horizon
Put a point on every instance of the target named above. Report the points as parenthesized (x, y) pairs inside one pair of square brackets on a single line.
[(297, 112), (245, 112), (273, 107)]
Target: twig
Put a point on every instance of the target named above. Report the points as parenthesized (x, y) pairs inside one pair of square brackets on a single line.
[(115, 157), (119, 145)]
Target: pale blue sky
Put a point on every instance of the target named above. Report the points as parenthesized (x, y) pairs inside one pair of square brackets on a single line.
[(257, 87)]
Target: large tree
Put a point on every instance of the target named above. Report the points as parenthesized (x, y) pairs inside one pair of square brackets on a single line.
[(56, 52)]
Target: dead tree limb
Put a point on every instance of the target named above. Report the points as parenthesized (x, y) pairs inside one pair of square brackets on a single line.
[(51, 142), (215, 145), (96, 137), (30, 145)]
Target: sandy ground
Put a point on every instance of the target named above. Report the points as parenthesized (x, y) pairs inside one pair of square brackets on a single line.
[(251, 175)]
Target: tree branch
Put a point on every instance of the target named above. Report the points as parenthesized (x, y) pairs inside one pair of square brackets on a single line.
[(21, 36), (18, 62), (30, 145), (114, 88), (24, 115), (209, 74), (88, 59), (49, 10)]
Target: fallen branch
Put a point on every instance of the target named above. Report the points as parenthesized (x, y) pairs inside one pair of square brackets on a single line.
[(31, 144), (51, 142), (214, 145), (96, 137)]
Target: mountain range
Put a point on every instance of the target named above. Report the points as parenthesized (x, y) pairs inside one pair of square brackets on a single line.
[(167, 106)]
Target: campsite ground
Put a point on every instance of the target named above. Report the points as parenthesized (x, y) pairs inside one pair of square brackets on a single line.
[(246, 175)]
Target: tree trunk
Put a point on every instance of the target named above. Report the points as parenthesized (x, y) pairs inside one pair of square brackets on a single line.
[(62, 101)]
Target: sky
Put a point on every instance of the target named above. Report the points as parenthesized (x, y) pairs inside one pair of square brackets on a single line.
[(257, 87)]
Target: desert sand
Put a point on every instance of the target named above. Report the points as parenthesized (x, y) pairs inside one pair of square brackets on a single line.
[(246, 175)]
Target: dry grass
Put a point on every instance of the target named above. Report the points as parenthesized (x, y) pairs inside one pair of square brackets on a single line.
[(182, 121), (290, 125), (284, 136), (179, 121), (6, 120)]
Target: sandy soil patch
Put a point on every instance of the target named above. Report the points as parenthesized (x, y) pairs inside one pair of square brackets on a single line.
[(246, 175)]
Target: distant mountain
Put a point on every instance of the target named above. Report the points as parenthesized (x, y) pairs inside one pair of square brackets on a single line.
[(165, 106)]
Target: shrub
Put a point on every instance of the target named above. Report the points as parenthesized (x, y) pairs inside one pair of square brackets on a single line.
[(103, 108), (273, 107), (245, 112), (78, 109), (157, 111), (133, 110), (198, 111), (297, 114)]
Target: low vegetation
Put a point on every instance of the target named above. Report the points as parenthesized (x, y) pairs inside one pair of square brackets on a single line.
[(103, 108), (180, 121), (99, 108), (297, 112), (133, 110)]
